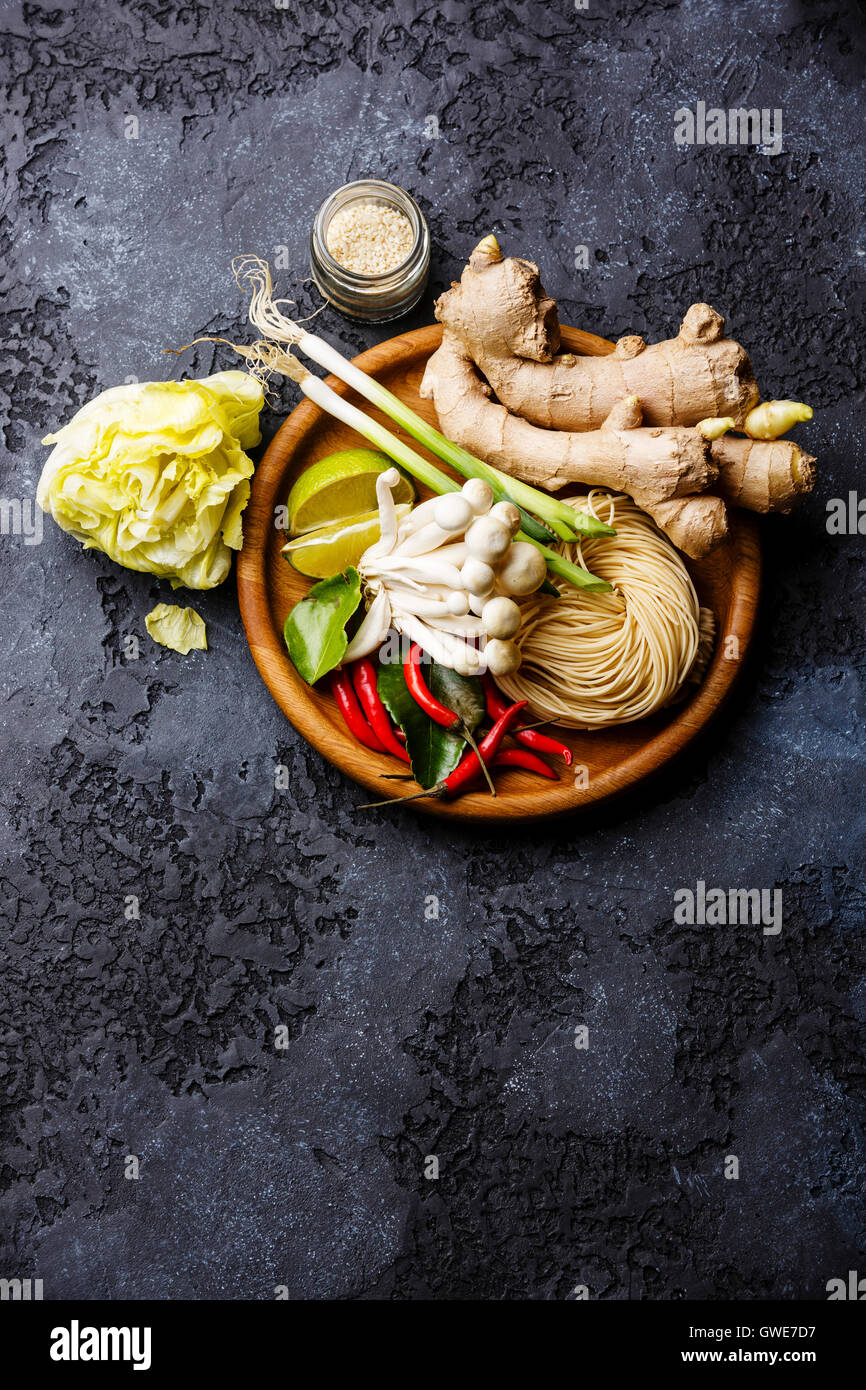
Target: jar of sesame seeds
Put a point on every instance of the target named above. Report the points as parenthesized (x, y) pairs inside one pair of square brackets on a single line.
[(370, 250)]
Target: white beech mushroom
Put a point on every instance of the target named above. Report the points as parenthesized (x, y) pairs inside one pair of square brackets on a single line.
[(502, 658), (478, 576), (435, 581), (522, 571), (501, 617), (488, 539)]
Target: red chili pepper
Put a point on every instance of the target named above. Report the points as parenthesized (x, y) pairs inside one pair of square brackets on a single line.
[(417, 686), (367, 691), (521, 757), (433, 708), (470, 764), (341, 689), (530, 738), (543, 743)]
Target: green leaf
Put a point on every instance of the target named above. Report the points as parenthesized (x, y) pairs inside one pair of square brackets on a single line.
[(315, 630), (463, 694), (433, 751)]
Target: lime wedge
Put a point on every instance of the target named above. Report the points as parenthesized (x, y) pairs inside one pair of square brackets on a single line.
[(328, 550), (338, 487)]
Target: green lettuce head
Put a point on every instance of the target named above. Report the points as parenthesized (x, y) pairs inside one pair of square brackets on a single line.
[(155, 474)]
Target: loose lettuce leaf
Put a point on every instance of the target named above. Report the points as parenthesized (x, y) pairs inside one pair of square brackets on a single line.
[(155, 474), (182, 629), (315, 630)]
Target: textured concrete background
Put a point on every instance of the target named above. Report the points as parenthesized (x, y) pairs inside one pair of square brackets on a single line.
[(155, 777)]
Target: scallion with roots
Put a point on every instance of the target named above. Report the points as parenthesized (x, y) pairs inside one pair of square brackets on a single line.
[(265, 315), (266, 357)]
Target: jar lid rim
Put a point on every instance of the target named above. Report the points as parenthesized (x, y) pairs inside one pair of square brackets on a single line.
[(420, 245)]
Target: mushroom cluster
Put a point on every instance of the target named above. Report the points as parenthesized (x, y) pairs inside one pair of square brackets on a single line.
[(446, 577)]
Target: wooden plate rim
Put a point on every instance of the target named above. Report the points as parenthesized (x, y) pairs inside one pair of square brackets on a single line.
[(309, 712)]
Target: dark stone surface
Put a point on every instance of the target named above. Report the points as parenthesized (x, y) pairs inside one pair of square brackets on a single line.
[(155, 777)]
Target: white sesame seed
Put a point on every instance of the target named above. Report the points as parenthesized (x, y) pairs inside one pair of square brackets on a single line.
[(369, 238)]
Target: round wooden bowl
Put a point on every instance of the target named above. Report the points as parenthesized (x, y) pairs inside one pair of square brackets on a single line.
[(616, 758)]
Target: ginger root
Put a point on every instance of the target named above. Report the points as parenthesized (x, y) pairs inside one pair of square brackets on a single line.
[(509, 326), (695, 525), (650, 421), (660, 468), (715, 428), (772, 418), (762, 476)]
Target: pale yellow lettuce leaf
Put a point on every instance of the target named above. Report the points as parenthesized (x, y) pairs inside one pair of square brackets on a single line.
[(182, 629)]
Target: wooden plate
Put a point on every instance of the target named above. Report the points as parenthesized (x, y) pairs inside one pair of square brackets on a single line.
[(617, 758)]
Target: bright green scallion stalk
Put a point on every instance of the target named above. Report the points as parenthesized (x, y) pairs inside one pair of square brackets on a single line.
[(253, 273), (565, 521), (321, 394)]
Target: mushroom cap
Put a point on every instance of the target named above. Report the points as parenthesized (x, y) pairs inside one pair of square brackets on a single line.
[(501, 617), (478, 576), (508, 514), (453, 512), (479, 495), (523, 570), (502, 658), (488, 539)]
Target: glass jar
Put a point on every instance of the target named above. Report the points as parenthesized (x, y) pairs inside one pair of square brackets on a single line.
[(375, 298)]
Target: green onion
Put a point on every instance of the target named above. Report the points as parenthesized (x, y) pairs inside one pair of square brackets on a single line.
[(561, 519), (323, 396), (564, 521)]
